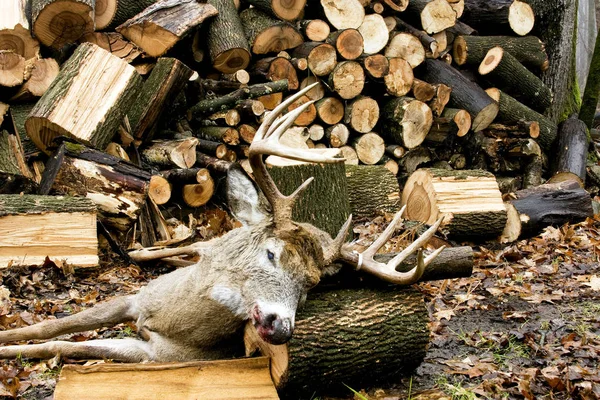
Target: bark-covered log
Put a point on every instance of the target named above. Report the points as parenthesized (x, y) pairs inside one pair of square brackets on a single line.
[(374, 33), (362, 114), (428, 42), (275, 69), (128, 9), (407, 47), (227, 43), (434, 15), (43, 73), (83, 86), (268, 35), (169, 153), (451, 122), (160, 26), (406, 121), (159, 189), (572, 148), (38, 230), (508, 74), (321, 57), (465, 94), (349, 43), (15, 175), (221, 134), (469, 201), (315, 30), (347, 79), (287, 10), (58, 23), (498, 16), (333, 340), (344, 14), (372, 190), (529, 50), (199, 193), (337, 135), (118, 188)]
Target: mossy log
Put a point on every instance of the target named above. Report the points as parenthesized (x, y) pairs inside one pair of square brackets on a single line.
[(372, 190), (58, 23), (227, 43)]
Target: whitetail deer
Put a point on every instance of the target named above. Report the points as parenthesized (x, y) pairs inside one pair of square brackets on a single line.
[(259, 272)]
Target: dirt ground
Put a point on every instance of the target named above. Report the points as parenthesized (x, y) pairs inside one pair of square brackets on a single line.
[(525, 325)]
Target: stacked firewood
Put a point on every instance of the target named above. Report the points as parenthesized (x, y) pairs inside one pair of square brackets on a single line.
[(153, 99)]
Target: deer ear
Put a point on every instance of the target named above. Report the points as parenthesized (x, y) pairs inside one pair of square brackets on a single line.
[(246, 203)]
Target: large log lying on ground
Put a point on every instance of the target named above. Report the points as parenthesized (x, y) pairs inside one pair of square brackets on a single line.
[(372, 190), (35, 227), (363, 336), (572, 148)]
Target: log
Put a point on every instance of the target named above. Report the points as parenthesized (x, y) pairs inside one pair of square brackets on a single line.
[(349, 154), (268, 35), (414, 159), (275, 69), (37, 230), (241, 76), (572, 148), (104, 13), (315, 30), (434, 15), (343, 14), (424, 91), (369, 147), (398, 81), (529, 50), (347, 79), (15, 175), (221, 134), (452, 122), (348, 42), (469, 201), (247, 132), (331, 345), (128, 9), (168, 153), (250, 108), (229, 118), (43, 73), (374, 33), (521, 128), (407, 47), (512, 77), (285, 10), (406, 121), (59, 23), (429, 43), (186, 381), (330, 110), (167, 79), (159, 189), (198, 194), (397, 5), (512, 111), (101, 103), (316, 132), (497, 16), (316, 93), (395, 150), (216, 149), (14, 30), (465, 94), (376, 66), (308, 115), (589, 100), (337, 135), (12, 68), (227, 43), (390, 164), (440, 99), (115, 149), (119, 189), (321, 57), (362, 114), (372, 190)]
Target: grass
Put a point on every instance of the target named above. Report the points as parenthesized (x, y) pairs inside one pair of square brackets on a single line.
[(455, 389)]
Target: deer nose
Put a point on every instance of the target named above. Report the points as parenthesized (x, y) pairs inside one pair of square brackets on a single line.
[(276, 330)]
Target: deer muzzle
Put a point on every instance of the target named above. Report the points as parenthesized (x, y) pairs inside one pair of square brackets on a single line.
[(272, 327)]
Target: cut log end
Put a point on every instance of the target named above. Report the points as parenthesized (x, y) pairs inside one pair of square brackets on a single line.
[(521, 17), (288, 10), (491, 60), (485, 117), (276, 39), (60, 23), (437, 15), (104, 12), (232, 60), (159, 189), (416, 123)]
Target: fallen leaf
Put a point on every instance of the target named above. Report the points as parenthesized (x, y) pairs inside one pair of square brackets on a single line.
[(594, 282), (444, 314)]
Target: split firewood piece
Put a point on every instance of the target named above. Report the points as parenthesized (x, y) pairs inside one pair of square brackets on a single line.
[(374, 33), (550, 204), (512, 112), (315, 30), (221, 134), (348, 43), (406, 46), (434, 15), (349, 154), (330, 110), (198, 194), (282, 9), (465, 94), (572, 148), (321, 57), (308, 115), (332, 323), (57, 23), (115, 43), (429, 43), (227, 101), (167, 79), (180, 153), (500, 67), (347, 79), (268, 35), (424, 91), (15, 175), (159, 189), (440, 99), (12, 68), (14, 30), (164, 23), (406, 121), (227, 43), (497, 16), (376, 66), (369, 147), (362, 114), (118, 188), (344, 14), (337, 135), (83, 85), (399, 79), (38, 230), (529, 50), (274, 69), (469, 201), (372, 190)]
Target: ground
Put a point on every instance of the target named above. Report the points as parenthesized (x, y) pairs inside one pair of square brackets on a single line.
[(525, 325)]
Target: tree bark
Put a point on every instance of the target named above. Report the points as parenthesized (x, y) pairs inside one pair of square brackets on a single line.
[(268, 35), (372, 190), (227, 43), (572, 148)]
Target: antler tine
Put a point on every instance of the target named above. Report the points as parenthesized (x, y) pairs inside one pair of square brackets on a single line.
[(333, 250)]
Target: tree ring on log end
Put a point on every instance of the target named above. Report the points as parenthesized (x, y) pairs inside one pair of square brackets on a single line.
[(288, 10), (232, 60), (460, 50), (276, 39), (419, 206), (416, 123), (491, 60), (485, 117), (521, 18), (56, 27), (104, 12)]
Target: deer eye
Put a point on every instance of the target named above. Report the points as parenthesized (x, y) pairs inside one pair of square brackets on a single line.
[(270, 255)]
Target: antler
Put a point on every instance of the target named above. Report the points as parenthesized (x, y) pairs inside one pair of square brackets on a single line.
[(266, 141), (388, 271)]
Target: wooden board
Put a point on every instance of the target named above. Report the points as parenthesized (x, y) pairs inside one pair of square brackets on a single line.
[(247, 378)]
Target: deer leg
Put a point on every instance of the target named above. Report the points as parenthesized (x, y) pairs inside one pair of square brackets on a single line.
[(128, 350), (105, 314)]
